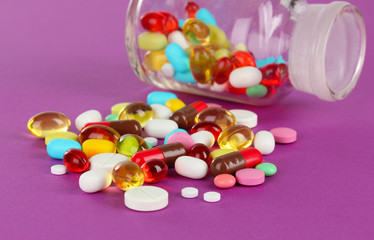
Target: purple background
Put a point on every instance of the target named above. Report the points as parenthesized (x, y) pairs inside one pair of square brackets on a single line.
[(69, 56)]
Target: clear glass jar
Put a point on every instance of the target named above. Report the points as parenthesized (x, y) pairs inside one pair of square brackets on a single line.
[(321, 45)]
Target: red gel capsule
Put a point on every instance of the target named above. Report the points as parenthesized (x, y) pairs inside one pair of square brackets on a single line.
[(221, 70), (207, 126), (121, 126), (171, 22), (191, 9), (76, 160), (99, 132), (153, 22), (202, 152), (154, 170), (236, 91), (243, 59), (185, 117), (274, 74)]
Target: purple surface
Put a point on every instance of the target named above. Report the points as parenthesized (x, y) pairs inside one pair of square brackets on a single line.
[(69, 56)]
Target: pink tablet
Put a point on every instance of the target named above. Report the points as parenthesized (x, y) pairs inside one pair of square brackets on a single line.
[(284, 135), (250, 177)]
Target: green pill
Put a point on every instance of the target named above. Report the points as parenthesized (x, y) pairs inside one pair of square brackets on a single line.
[(268, 168), (152, 41), (111, 117), (128, 146), (257, 91)]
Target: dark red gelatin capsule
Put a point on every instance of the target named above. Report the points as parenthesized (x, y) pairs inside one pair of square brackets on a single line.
[(123, 127), (171, 22), (274, 74), (243, 59), (76, 160), (207, 126), (202, 152), (236, 91), (191, 9), (221, 70), (153, 22), (154, 170), (99, 132)]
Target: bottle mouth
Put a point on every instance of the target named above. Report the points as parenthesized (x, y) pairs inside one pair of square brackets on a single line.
[(327, 50)]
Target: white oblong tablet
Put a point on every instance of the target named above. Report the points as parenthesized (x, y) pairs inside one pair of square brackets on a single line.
[(95, 180), (264, 142), (190, 192), (87, 117), (153, 141), (146, 198), (245, 117), (106, 161), (191, 167), (212, 197), (58, 169), (245, 77), (204, 137), (160, 128), (160, 111), (179, 38)]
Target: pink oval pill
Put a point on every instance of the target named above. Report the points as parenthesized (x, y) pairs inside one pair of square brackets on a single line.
[(284, 135), (181, 137), (224, 180), (250, 177)]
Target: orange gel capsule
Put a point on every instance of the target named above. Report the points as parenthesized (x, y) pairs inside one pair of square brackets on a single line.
[(201, 63)]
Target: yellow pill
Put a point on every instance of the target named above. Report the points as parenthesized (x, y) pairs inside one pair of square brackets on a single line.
[(195, 29), (218, 37), (127, 175), (236, 137), (220, 116), (201, 62), (221, 53), (116, 109), (62, 135), (240, 47), (174, 104), (45, 123), (138, 111), (155, 60), (92, 147), (219, 152)]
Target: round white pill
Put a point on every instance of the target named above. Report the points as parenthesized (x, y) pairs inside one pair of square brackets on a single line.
[(212, 197), (153, 141), (264, 142), (245, 117), (87, 117), (160, 111), (160, 128), (58, 169), (190, 192), (146, 198)]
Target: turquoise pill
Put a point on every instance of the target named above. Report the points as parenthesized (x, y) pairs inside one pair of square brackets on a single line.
[(268, 168), (257, 91), (177, 57), (172, 132), (204, 15), (185, 77), (57, 147), (160, 97), (111, 117)]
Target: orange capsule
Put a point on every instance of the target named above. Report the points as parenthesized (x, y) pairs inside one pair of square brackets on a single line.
[(201, 63)]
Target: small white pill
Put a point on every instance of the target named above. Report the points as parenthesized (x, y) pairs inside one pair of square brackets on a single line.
[(160, 111), (245, 77), (190, 192), (245, 117), (168, 70), (95, 180), (204, 137), (160, 128), (191, 167), (107, 161), (212, 197), (179, 38), (264, 142), (153, 141), (146, 198), (87, 117), (58, 169)]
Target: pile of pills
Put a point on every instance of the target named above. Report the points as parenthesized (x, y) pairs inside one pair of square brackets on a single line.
[(196, 52), (140, 142)]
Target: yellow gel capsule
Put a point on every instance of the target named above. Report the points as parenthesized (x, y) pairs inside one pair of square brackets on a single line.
[(61, 135), (220, 152), (45, 123), (174, 104), (220, 116), (91, 147), (127, 175), (218, 37), (236, 137), (155, 60), (116, 109), (195, 29), (201, 63), (138, 111)]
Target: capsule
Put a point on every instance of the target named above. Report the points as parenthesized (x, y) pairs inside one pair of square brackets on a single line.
[(220, 116), (76, 160), (185, 117), (138, 111), (168, 153), (236, 137), (99, 132), (232, 162), (121, 126), (45, 123), (207, 126), (130, 144), (154, 170)]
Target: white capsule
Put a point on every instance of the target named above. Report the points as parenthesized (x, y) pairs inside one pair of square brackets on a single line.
[(245, 77), (160, 111), (153, 141), (191, 167), (179, 38), (168, 70), (204, 137), (106, 161), (58, 169), (87, 117), (95, 180), (264, 142), (245, 117), (160, 128)]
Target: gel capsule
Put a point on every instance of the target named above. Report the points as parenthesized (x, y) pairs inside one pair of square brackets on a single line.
[(200, 151), (130, 144), (127, 175), (236, 137), (185, 117), (221, 70), (207, 126), (274, 74), (121, 126), (168, 153), (243, 59), (154, 170), (232, 162), (236, 91), (201, 63), (190, 9), (99, 132), (220, 116), (138, 111), (196, 31), (154, 60), (76, 160), (171, 23), (45, 123), (153, 22)]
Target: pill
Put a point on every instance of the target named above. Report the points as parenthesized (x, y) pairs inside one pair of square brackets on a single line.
[(264, 142), (99, 132), (218, 37), (127, 175), (146, 198), (177, 57), (204, 15), (154, 170), (243, 59), (220, 116), (45, 123), (58, 169), (240, 47), (111, 117), (190, 9), (92, 147), (168, 70), (201, 63), (61, 135), (179, 38), (185, 77), (236, 137), (284, 135), (236, 91), (121, 126), (207, 126), (153, 22), (212, 197), (160, 128), (245, 77), (213, 105), (57, 147), (204, 137), (250, 177), (268, 168), (196, 31), (224, 180), (200, 151), (138, 111), (107, 161), (154, 60), (130, 144), (160, 111), (219, 152), (116, 109), (153, 141), (191, 167), (221, 53), (185, 117), (87, 117), (152, 41), (189, 192), (76, 160), (181, 137), (257, 91), (175, 104), (95, 180), (245, 117), (172, 132), (221, 70)]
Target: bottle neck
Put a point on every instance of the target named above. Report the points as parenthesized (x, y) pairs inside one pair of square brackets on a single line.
[(327, 50)]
